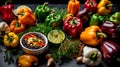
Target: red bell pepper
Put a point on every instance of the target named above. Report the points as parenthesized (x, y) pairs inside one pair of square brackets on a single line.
[(73, 26), (109, 28), (6, 12), (91, 5), (110, 51)]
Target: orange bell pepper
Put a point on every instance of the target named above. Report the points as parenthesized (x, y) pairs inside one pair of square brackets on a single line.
[(73, 7), (16, 26), (26, 17), (92, 35)]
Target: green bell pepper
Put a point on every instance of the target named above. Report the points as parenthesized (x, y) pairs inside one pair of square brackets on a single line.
[(53, 20), (96, 19), (115, 18), (42, 11)]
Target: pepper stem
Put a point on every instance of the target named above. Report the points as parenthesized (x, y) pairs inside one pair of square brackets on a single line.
[(91, 2), (17, 24), (10, 38), (109, 5), (118, 59), (118, 28), (99, 34), (46, 3), (73, 21), (93, 57), (8, 1)]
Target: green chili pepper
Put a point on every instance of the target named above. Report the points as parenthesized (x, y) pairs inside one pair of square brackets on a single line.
[(53, 20), (42, 11), (115, 18), (96, 20)]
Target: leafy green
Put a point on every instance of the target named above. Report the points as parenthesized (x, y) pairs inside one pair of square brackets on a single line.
[(68, 49), (12, 54), (42, 28)]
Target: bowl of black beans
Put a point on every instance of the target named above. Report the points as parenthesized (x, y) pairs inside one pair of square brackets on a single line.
[(34, 43)]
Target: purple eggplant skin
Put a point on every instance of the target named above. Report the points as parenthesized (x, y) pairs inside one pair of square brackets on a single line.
[(109, 28), (110, 51), (84, 16), (82, 13)]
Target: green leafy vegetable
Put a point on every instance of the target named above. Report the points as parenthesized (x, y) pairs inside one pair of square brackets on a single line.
[(42, 28), (68, 49)]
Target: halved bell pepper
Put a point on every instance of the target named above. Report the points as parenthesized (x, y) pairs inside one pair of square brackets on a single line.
[(42, 11), (104, 7), (25, 16), (73, 26), (11, 40), (92, 35), (16, 26), (53, 20)]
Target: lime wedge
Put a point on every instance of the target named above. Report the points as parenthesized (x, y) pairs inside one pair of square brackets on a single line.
[(56, 36)]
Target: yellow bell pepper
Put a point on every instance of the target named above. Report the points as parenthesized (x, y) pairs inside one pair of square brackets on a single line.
[(104, 7), (11, 40)]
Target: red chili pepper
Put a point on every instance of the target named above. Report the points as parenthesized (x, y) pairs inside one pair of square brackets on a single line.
[(91, 5), (6, 12), (73, 26)]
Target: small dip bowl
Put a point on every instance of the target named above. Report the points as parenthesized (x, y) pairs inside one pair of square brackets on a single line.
[(34, 43)]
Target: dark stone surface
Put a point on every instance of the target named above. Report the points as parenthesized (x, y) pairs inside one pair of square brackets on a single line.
[(68, 64)]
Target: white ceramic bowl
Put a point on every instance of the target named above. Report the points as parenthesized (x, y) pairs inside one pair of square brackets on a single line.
[(35, 51)]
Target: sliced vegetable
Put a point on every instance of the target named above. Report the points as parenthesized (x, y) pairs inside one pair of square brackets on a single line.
[(56, 36)]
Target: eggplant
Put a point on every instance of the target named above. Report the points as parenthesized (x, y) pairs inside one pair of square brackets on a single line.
[(84, 16)]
